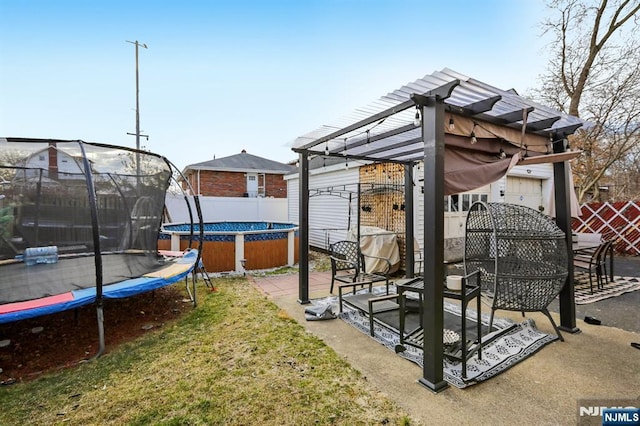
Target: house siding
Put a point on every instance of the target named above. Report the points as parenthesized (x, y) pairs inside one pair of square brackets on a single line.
[(328, 215)]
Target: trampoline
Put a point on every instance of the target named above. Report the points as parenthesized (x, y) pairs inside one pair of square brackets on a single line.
[(79, 222)]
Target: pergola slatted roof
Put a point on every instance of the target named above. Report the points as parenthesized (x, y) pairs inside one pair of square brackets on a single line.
[(384, 130)]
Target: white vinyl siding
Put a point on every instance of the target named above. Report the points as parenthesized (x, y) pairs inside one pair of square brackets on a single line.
[(328, 215)]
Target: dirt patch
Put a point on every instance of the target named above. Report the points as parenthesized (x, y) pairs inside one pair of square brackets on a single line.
[(62, 340)]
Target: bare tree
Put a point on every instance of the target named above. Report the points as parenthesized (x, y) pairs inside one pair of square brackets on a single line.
[(594, 74), (625, 185)]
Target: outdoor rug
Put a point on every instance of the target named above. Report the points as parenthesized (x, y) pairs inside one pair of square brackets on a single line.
[(618, 286), (510, 348)]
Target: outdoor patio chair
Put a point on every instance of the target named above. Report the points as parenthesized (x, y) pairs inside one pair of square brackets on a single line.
[(348, 265), (417, 258), (608, 260), (596, 263)]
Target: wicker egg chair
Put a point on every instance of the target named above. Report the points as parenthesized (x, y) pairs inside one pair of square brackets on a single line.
[(521, 255)]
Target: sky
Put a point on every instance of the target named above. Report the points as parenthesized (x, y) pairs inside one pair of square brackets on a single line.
[(218, 77)]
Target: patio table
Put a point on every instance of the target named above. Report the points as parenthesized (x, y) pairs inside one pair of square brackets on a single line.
[(416, 337), (367, 301), (579, 247)]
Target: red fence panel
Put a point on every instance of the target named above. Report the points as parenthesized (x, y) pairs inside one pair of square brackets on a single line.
[(618, 221)]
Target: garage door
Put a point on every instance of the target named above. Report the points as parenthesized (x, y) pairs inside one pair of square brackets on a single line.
[(524, 191)]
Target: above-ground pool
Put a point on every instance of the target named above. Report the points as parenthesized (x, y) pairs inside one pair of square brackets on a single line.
[(236, 246)]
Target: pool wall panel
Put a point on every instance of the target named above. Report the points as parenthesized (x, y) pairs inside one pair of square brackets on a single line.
[(217, 256), (164, 244), (265, 254), (261, 250)]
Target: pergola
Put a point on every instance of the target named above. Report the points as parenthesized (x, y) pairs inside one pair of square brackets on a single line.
[(468, 134)]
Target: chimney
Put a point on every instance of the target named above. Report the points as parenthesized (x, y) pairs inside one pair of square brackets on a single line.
[(53, 161)]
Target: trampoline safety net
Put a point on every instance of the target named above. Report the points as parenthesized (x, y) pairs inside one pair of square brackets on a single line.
[(50, 192)]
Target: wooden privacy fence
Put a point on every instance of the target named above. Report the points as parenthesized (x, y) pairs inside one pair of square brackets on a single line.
[(619, 222)]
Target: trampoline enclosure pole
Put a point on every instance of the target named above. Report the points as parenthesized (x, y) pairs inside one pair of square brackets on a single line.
[(91, 193)]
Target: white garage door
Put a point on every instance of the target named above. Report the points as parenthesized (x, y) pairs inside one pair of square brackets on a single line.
[(524, 191)]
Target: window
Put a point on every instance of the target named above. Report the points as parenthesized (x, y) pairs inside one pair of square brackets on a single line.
[(465, 202), (455, 202), (462, 202)]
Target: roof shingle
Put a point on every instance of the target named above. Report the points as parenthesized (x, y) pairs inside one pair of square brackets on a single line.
[(243, 162)]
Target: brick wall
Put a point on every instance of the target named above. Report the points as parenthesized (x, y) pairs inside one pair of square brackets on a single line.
[(275, 186), (234, 184)]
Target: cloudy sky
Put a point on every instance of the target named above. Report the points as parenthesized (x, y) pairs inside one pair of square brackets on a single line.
[(222, 76)]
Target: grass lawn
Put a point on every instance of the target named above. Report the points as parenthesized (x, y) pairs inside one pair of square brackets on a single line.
[(236, 359)]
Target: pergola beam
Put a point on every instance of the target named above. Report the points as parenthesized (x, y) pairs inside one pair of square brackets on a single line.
[(363, 158), (478, 107), (561, 132), (513, 116), (387, 148), (355, 126), (364, 140), (535, 126)]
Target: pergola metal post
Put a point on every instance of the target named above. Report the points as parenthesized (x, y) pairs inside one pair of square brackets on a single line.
[(432, 111), (408, 220), (303, 216), (563, 220), (358, 219)]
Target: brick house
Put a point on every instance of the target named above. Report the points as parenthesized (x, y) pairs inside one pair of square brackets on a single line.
[(239, 175)]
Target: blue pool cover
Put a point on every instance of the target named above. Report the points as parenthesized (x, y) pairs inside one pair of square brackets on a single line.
[(233, 228)]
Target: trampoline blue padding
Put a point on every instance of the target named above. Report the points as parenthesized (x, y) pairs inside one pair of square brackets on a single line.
[(173, 271), (139, 285), (37, 311)]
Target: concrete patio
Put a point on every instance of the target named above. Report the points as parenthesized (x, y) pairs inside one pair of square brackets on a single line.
[(598, 363)]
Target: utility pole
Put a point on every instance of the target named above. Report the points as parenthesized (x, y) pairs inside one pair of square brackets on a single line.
[(137, 44)]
